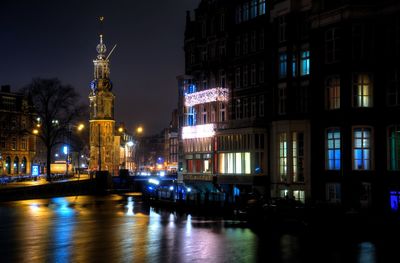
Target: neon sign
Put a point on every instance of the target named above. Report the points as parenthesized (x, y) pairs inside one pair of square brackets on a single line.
[(198, 131)]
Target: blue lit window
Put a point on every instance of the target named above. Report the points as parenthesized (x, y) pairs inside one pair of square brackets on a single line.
[(261, 7), (305, 63), (362, 149), (294, 65), (282, 65), (394, 148), (191, 116), (333, 155), (394, 200), (253, 8)]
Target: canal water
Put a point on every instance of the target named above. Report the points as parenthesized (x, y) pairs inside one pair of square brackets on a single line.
[(123, 229)]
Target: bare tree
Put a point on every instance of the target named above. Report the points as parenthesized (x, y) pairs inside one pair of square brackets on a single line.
[(57, 106)]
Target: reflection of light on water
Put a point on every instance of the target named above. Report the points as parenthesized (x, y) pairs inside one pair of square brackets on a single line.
[(129, 206), (171, 220), (366, 252), (61, 206), (34, 208), (188, 225)]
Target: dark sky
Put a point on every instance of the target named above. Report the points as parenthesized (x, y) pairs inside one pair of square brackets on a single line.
[(57, 38)]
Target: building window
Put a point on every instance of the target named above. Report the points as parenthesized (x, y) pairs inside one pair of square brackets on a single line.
[(332, 85), (245, 44), (253, 8), (282, 29), (283, 157), (13, 143), (282, 65), (23, 144), (305, 63), (245, 15), (294, 65), (332, 51), (204, 113), (222, 48), (362, 148), (393, 89), (298, 195), (222, 23), (237, 78), (212, 113), (333, 193), (222, 112), (222, 78), (253, 41), (333, 150), (238, 109), (362, 90), (298, 156), (237, 47), (191, 116), (261, 40), (261, 106), (261, 72), (253, 108), (238, 16), (394, 148), (282, 100), (245, 108), (245, 76), (261, 7), (253, 74)]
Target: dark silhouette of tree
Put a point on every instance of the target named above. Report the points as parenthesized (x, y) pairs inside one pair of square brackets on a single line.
[(57, 107)]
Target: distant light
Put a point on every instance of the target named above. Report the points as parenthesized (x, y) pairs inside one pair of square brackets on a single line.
[(206, 96), (162, 173), (120, 129), (130, 143), (65, 149), (171, 188), (139, 129), (189, 189), (56, 155), (83, 165), (35, 131), (198, 131), (82, 156), (154, 181), (150, 188), (81, 127)]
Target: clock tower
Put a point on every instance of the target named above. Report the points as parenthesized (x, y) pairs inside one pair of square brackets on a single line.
[(102, 123)]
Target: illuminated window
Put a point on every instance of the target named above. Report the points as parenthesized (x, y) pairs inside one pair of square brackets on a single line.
[(305, 63), (282, 65), (298, 156), (294, 65), (253, 8), (394, 200), (212, 113), (13, 143), (362, 149), (394, 148), (283, 165), (333, 154), (191, 116), (299, 195), (333, 92), (204, 113), (23, 144), (234, 163), (362, 90), (261, 7)]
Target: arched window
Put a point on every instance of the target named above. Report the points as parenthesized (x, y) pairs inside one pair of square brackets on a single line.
[(23, 165), (8, 165), (16, 165)]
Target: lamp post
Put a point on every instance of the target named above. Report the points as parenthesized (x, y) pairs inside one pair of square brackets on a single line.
[(128, 144), (79, 127), (139, 131)]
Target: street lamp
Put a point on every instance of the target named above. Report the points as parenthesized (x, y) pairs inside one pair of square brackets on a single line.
[(79, 127), (139, 131)]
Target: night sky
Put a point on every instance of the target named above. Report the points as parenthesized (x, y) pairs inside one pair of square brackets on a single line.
[(55, 38)]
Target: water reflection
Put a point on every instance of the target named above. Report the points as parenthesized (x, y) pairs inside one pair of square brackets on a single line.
[(123, 229)]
